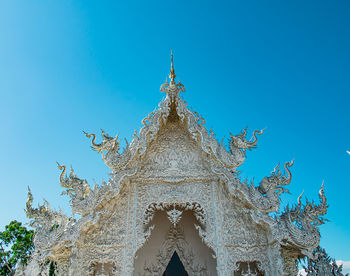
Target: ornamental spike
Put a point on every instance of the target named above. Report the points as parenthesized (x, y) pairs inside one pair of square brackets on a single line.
[(172, 75)]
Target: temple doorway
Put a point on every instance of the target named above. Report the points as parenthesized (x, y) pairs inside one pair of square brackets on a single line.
[(175, 267), (175, 248)]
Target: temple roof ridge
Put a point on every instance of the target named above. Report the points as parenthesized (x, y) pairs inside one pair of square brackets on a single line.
[(195, 124), (222, 162)]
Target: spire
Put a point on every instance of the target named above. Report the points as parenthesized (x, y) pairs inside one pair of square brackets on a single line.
[(172, 89), (172, 75)]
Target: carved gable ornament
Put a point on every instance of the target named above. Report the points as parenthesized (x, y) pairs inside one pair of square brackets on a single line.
[(174, 188)]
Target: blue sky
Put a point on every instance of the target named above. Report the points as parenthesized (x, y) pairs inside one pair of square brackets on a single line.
[(68, 66)]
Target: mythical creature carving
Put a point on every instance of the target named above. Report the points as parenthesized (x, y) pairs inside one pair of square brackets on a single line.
[(113, 159), (302, 222), (82, 197), (266, 196), (108, 143), (239, 141), (49, 224), (238, 144), (76, 187)]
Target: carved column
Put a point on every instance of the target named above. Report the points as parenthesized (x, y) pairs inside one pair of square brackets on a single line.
[(128, 250), (221, 252), (275, 260)]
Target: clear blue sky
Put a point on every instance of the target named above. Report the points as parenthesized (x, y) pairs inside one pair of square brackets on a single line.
[(68, 66)]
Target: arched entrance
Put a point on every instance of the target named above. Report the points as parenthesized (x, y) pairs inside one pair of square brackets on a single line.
[(175, 242)]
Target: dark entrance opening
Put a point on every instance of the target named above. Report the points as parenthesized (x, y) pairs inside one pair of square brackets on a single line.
[(175, 267)]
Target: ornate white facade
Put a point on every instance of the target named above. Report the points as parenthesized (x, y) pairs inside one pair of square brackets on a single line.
[(175, 188)]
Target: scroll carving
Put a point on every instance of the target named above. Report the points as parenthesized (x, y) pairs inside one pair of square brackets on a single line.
[(174, 211)]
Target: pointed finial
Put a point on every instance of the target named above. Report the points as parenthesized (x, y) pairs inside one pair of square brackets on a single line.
[(172, 75)]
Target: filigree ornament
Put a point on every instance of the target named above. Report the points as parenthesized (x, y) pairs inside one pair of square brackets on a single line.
[(103, 268), (174, 216), (173, 212), (247, 269)]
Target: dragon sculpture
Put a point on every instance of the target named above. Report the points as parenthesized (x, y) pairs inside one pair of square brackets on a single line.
[(266, 196), (238, 145), (76, 187), (49, 224), (82, 197), (239, 141), (113, 159), (109, 143), (302, 221)]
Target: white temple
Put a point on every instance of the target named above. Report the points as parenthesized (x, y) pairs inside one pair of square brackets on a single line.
[(174, 197)]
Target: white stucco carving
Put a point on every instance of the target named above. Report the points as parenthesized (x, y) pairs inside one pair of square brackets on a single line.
[(175, 168)]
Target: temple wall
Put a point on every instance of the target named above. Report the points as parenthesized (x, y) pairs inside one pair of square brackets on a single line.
[(124, 243), (242, 239), (101, 247)]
